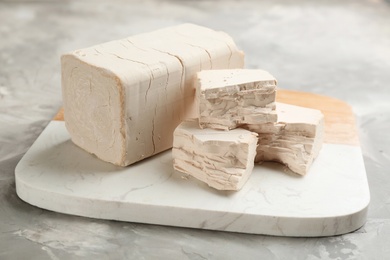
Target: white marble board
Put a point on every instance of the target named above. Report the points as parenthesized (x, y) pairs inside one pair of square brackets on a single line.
[(331, 199)]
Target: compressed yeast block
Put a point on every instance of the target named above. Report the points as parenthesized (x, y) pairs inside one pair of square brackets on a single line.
[(123, 99), (222, 159), (295, 140), (230, 98)]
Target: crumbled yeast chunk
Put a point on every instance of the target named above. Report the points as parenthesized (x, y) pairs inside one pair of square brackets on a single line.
[(238, 100), (295, 140)]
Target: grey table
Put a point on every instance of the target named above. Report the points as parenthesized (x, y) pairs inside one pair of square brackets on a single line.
[(339, 49)]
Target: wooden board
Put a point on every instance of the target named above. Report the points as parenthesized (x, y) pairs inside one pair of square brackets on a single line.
[(331, 199)]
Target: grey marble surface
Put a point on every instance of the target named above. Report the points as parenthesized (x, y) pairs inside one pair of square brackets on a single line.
[(339, 49)]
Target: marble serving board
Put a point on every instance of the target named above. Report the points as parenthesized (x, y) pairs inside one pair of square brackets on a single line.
[(331, 199)]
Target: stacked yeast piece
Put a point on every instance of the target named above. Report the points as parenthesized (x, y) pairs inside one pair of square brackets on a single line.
[(230, 98), (243, 103)]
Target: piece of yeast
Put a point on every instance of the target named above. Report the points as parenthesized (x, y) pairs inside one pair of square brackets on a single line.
[(295, 140), (222, 159), (122, 101), (230, 98)]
